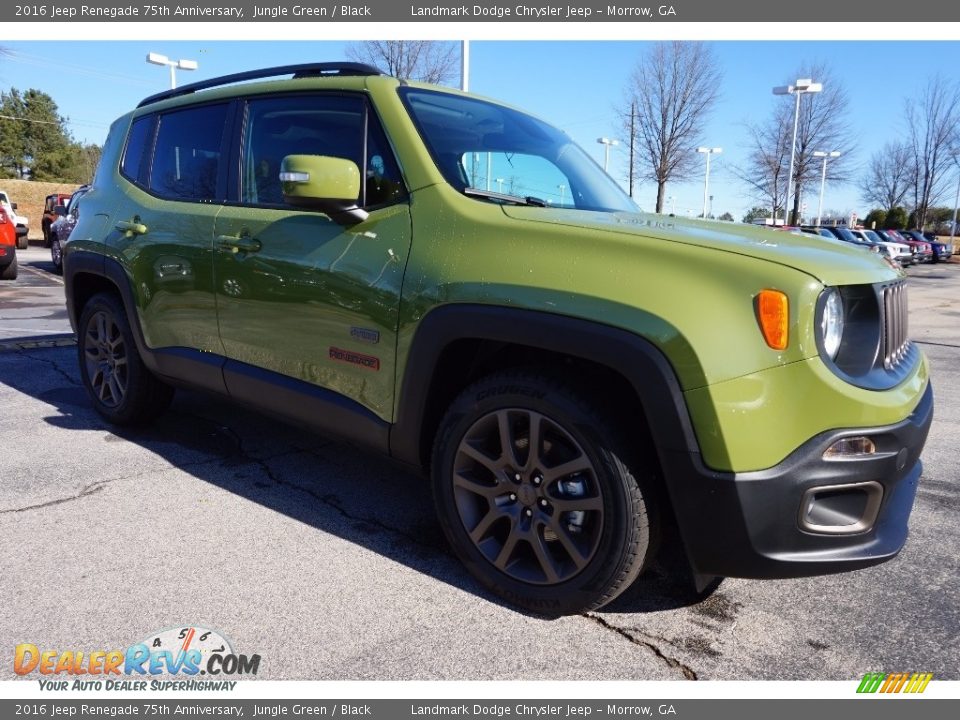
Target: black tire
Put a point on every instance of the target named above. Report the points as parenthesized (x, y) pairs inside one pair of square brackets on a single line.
[(46, 235), (10, 271), (23, 242), (123, 391), (580, 523), (56, 256)]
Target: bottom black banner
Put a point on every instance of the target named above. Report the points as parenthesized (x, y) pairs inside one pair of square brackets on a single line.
[(874, 708)]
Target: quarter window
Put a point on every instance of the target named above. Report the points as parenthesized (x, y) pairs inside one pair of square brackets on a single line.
[(186, 159), (136, 145)]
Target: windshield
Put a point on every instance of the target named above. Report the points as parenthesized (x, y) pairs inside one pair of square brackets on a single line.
[(482, 146)]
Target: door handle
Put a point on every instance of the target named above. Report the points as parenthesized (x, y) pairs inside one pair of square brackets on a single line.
[(132, 227), (238, 243)]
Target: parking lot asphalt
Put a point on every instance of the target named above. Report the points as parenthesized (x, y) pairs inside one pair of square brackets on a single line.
[(329, 564)]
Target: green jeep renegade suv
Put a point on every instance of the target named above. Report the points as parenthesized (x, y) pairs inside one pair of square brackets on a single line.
[(455, 284)]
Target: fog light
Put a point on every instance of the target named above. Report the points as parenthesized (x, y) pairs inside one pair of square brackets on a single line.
[(850, 448)]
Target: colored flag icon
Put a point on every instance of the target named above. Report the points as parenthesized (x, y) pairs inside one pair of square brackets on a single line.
[(913, 683)]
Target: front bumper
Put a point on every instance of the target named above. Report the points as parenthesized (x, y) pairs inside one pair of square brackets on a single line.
[(756, 524)]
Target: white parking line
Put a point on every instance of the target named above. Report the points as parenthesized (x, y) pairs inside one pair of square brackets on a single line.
[(42, 274)]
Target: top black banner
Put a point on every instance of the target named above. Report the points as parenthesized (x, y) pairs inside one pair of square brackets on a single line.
[(637, 11)]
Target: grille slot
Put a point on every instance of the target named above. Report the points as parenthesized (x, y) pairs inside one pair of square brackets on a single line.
[(895, 339)]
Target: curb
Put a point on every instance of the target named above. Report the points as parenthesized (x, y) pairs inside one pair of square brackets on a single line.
[(38, 342)]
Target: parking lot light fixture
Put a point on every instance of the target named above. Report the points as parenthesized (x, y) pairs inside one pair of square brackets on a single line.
[(823, 176), (799, 87), (158, 59), (708, 151), (606, 142)]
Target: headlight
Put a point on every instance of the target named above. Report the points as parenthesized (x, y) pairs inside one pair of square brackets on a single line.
[(831, 323)]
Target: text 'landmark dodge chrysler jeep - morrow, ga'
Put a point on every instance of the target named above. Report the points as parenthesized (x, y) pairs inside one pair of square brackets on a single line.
[(456, 284)]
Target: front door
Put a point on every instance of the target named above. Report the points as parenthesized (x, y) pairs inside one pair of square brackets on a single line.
[(298, 294)]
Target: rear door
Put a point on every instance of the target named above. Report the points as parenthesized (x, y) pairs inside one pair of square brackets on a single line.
[(163, 227)]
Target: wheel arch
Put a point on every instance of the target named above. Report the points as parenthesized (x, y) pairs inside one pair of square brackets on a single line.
[(457, 343)]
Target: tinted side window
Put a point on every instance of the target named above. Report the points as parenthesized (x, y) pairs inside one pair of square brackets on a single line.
[(330, 125), (136, 145), (186, 158)]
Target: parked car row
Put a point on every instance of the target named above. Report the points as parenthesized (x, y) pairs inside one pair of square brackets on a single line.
[(903, 247)]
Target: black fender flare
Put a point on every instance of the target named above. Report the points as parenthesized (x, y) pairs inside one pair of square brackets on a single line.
[(635, 358)]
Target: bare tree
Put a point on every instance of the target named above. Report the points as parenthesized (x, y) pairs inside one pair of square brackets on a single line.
[(933, 135), (822, 126), (765, 171), (889, 175), (427, 60), (672, 88)]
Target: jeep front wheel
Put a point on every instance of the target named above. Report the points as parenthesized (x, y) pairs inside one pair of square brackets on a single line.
[(537, 494)]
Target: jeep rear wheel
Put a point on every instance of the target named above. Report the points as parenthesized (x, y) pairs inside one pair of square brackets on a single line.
[(534, 491), (121, 388)]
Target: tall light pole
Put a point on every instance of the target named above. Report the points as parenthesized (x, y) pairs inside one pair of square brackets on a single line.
[(606, 142), (158, 59), (465, 65), (706, 178), (799, 87), (823, 176), (956, 202), (562, 188)]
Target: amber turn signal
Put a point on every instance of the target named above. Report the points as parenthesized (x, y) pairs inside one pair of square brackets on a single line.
[(773, 314)]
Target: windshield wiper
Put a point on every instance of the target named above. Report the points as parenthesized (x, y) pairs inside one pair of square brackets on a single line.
[(501, 197)]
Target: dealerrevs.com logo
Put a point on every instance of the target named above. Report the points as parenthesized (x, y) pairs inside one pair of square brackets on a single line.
[(190, 651)]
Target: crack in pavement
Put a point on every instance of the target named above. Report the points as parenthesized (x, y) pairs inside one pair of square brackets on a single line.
[(91, 489), (53, 363), (329, 499), (99, 485), (688, 672)]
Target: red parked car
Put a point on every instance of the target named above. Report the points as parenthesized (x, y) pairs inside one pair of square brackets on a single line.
[(8, 247), (50, 214), (922, 250)]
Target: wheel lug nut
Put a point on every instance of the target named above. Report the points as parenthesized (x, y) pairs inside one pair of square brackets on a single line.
[(544, 503), (517, 477), (513, 497), (537, 480), (528, 512)]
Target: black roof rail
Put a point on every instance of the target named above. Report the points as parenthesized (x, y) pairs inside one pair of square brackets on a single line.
[(298, 71)]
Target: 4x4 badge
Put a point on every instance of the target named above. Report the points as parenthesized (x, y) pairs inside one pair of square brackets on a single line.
[(365, 335)]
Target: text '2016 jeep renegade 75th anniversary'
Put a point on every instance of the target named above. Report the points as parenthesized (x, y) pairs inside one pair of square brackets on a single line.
[(456, 284)]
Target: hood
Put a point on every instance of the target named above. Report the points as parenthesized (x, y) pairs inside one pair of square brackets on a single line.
[(832, 262)]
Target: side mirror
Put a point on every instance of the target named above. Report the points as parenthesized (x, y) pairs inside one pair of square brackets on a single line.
[(13, 205), (60, 210), (320, 182)]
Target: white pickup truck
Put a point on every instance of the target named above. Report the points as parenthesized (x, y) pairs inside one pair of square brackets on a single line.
[(21, 222)]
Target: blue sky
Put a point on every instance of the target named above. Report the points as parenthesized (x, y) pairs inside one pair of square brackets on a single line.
[(574, 85)]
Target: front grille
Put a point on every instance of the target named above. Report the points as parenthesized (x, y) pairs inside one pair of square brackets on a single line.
[(895, 339)]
